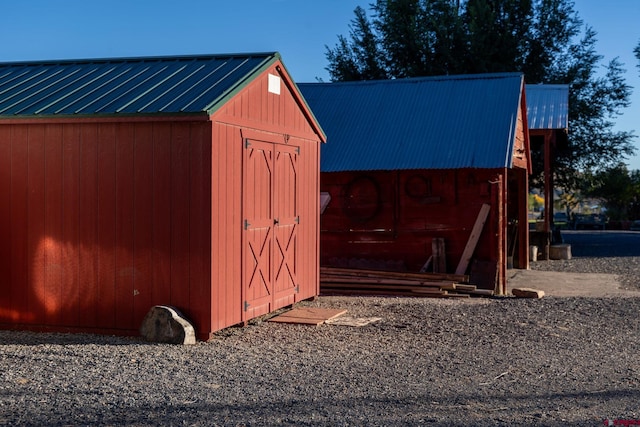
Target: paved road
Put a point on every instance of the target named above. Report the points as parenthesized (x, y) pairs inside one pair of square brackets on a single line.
[(607, 243)]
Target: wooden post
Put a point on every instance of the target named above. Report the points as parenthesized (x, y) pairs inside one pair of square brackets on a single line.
[(439, 257)]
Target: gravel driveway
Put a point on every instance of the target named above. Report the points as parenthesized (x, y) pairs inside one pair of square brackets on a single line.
[(485, 361)]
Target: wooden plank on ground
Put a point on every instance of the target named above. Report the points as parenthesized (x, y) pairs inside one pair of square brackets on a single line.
[(463, 265), (527, 293), (308, 315), (353, 321), (385, 292), (326, 271), (373, 280), (478, 292), (378, 286)]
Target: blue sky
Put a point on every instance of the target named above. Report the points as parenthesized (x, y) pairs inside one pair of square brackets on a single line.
[(298, 29)]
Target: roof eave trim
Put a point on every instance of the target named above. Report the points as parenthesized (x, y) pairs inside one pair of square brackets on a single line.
[(111, 117)]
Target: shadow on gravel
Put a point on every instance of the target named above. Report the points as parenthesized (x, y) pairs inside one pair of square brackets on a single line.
[(582, 408), (603, 244)]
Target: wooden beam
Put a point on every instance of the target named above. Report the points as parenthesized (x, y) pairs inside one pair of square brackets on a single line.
[(395, 274), (439, 256), (463, 265)]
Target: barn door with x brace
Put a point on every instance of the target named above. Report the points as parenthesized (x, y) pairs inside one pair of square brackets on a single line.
[(270, 226)]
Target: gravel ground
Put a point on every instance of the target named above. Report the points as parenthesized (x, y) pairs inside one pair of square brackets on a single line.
[(485, 361)]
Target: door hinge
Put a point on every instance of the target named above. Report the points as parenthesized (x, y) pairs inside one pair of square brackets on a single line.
[(297, 288), (247, 224), (246, 305), (297, 150), (297, 220), (247, 144)]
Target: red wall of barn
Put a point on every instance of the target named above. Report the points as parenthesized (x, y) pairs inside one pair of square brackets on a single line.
[(390, 217), (257, 113), (101, 220)]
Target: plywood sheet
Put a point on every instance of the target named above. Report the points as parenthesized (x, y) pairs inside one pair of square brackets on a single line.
[(308, 315), (353, 321)]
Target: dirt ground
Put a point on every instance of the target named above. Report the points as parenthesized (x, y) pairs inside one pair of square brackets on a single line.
[(563, 284)]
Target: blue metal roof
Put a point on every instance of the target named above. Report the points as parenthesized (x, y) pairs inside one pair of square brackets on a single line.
[(162, 85), (548, 106), (450, 122)]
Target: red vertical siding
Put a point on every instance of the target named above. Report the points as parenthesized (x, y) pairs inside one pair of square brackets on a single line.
[(161, 219), (88, 224), (6, 310), (35, 219), (143, 228), (103, 223), (180, 214), (257, 108), (199, 222), (106, 224), (19, 225), (309, 209), (125, 213), (279, 119), (226, 297)]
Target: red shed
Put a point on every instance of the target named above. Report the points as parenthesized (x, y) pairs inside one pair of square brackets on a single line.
[(412, 164), (127, 183)]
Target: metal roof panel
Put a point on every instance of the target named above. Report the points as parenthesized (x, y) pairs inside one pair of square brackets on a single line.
[(548, 106), (163, 85), (447, 122)]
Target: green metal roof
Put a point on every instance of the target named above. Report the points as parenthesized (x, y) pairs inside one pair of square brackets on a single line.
[(125, 86), (443, 122)]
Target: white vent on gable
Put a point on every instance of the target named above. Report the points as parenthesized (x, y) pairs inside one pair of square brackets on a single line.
[(274, 84)]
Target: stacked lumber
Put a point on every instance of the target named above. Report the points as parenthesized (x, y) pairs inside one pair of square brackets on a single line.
[(345, 281)]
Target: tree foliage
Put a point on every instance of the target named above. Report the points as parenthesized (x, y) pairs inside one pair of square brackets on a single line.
[(636, 52), (544, 39), (619, 189)]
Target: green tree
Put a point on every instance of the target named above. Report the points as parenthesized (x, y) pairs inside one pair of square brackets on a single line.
[(619, 189), (544, 39), (634, 205), (360, 58), (636, 52)]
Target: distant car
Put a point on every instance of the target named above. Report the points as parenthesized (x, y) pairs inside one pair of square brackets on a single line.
[(635, 225), (589, 222), (560, 220), (560, 217)]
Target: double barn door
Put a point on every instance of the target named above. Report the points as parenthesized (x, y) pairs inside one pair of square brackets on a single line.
[(270, 226)]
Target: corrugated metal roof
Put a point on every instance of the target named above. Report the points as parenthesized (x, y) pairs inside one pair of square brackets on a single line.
[(159, 85), (449, 122), (548, 106)]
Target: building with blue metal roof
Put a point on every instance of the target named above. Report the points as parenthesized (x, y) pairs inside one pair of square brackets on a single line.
[(548, 106), (447, 122), (409, 161), (548, 113)]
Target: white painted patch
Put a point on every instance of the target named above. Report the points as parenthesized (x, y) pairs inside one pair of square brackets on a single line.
[(274, 84)]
